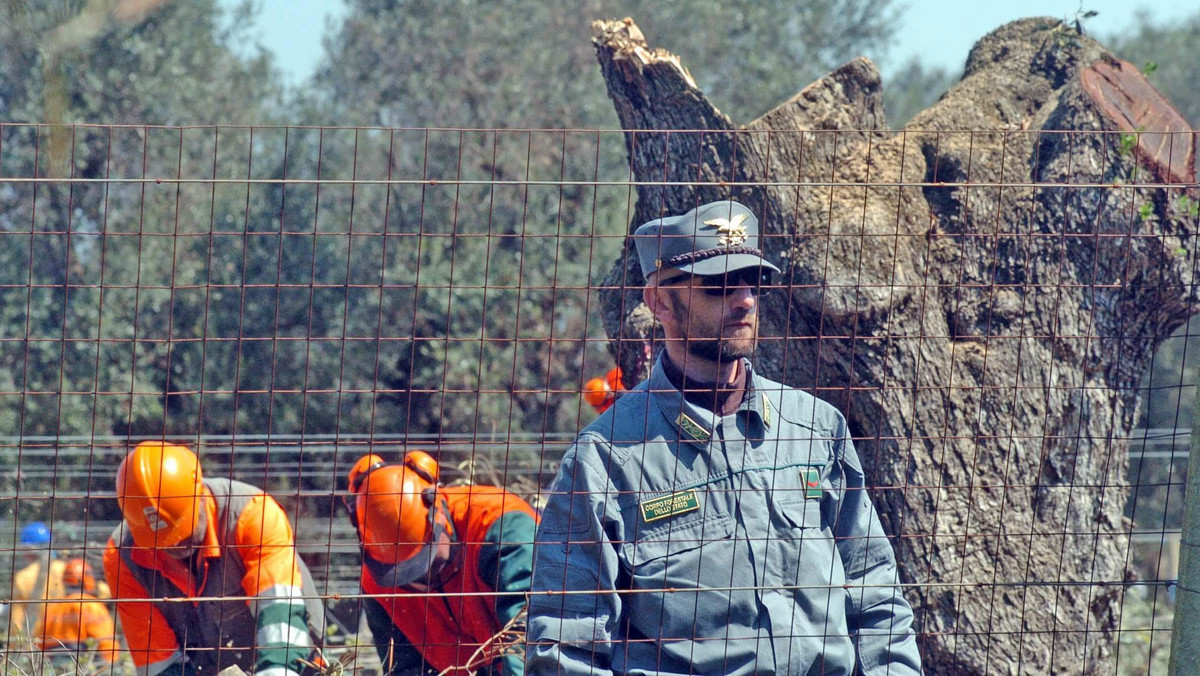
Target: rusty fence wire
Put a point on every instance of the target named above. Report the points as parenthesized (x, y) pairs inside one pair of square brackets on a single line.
[(284, 300)]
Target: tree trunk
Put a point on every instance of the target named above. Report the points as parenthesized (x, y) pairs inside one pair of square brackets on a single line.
[(980, 293)]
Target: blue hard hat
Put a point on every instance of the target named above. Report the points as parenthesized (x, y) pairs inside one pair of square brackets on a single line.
[(35, 533)]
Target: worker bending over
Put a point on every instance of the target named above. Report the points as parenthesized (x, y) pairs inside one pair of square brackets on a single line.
[(39, 578), (78, 626), (447, 568), (205, 572)]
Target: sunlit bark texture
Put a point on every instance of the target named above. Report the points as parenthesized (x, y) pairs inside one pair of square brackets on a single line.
[(979, 292)]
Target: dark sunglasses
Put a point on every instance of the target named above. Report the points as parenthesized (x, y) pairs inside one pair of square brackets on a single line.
[(758, 279)]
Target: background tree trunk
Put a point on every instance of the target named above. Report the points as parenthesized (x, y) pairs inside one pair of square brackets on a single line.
[(980, 293)]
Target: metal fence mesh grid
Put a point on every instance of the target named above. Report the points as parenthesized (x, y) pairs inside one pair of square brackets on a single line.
[(284, 300)]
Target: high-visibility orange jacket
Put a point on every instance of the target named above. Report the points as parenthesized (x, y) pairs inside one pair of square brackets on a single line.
[(495, 530), (244, 599), (73, 621), (21, 616)]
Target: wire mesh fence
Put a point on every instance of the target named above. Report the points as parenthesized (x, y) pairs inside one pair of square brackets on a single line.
[(287, 300)]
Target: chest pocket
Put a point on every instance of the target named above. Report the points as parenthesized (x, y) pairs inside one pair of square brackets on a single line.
[(695, 563), (675, 540), (803, 515), (801, 550)]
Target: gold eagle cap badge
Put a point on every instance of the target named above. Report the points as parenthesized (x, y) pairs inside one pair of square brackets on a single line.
[(730, 231)]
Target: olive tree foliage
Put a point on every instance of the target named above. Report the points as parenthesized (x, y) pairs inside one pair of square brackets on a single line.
[(482, 308), (496, 236), (439, 282), (99, 270)]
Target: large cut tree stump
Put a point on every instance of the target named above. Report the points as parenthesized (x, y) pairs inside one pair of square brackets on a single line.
[(979, 292)]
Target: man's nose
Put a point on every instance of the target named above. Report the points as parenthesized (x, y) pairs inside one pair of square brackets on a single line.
[(742, 297)]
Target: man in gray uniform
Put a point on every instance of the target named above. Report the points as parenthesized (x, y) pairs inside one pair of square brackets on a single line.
[(713, 521)]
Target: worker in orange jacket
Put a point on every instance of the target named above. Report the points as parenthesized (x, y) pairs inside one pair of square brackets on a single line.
[(446, 568), (77, 572), (601, 392), (76, 619), (39, 578), (205, 572)]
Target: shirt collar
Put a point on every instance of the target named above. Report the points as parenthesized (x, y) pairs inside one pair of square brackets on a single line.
[(694, 423)]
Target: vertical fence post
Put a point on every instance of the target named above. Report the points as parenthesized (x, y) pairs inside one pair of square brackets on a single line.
[(1185, 629)]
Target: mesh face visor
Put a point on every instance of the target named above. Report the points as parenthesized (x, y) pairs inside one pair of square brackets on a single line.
[(413, 568)]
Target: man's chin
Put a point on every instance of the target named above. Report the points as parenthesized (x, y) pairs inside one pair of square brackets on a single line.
[(722, 352), (736, 354)]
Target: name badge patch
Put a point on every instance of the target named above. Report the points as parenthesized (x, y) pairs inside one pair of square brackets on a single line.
[(670, 505), (692, 428), (812, 483)]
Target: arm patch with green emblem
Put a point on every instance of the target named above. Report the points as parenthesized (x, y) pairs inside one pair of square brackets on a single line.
[(811, 476)]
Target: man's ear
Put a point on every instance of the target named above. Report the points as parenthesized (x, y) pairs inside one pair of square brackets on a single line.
[(655, 299)]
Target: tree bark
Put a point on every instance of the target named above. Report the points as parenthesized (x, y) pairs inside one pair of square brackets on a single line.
[(979, 292)]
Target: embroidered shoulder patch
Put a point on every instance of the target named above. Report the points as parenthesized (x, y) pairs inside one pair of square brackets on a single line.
[(670, 505), (811, 477), (692, 428)]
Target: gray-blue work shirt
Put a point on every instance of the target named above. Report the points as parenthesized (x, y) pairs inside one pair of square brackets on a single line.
[(676, 541)]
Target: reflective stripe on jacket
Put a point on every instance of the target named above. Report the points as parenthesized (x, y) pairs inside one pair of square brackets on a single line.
[(446, 627), (690, 543), (249, 551)]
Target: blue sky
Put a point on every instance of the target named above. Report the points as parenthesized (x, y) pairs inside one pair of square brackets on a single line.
[(940, 32)]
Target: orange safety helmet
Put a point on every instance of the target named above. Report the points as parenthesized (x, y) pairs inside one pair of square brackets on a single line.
[(600, 393), (78, 574), (159, 487), (398, 515), (363, 466)]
